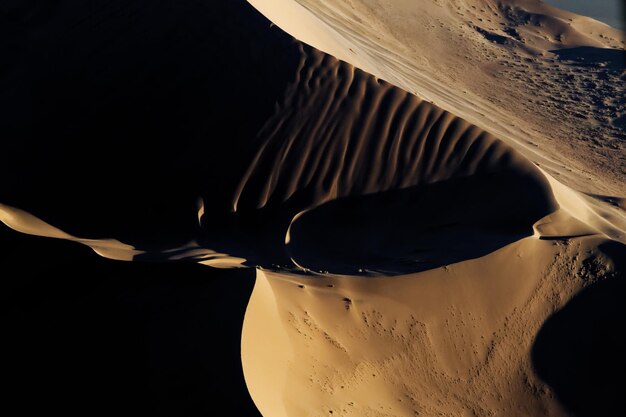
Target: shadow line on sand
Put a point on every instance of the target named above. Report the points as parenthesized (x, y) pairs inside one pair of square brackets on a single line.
[(579, 351)]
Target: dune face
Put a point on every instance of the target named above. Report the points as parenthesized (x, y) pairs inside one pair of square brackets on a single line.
[(465, 339), (546, 81), (413, 235)]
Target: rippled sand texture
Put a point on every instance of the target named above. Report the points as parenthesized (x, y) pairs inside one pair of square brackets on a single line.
[(547, 81), (369, 149)]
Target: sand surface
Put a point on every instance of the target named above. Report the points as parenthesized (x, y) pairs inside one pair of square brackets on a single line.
[(512, 67), (457, 340), (430, 192)]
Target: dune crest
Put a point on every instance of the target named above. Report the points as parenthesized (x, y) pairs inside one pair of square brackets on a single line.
[(23, 222)]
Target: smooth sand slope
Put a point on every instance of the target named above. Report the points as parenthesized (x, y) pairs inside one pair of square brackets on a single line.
[(409, 247), (457, 340)]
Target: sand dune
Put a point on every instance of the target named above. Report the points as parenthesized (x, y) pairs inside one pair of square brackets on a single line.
[(418, 195), (546, 81), (373, 149), (26, 223), (367, 138), (450, 341)]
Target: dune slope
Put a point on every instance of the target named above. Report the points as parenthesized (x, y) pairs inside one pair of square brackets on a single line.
[(455, 340), (544, 80)]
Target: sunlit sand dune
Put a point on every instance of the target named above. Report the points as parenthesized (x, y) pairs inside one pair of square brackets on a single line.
[(419, 195), (546, 81)]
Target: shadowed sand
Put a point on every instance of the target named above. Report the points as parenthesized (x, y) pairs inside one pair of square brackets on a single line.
[(407, 256), (583, 333)]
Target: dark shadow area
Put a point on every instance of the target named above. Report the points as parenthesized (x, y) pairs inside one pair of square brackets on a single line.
[(612, 59), (422, 227), (494, 37), (85, 336), (579, 351), (118, 114)]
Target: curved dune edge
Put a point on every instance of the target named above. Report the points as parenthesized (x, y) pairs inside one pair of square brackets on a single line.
[(450, 340), (589, 214), (23, 222), (325, 27)]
